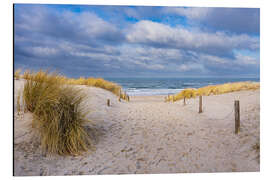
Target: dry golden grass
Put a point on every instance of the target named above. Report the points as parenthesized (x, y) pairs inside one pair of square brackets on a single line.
[(96, 82), (58, 115), (17, 74), (26, 75), (214, 90), (18, 103)]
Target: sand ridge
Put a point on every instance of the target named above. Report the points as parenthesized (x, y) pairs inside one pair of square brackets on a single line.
[(147, 135)]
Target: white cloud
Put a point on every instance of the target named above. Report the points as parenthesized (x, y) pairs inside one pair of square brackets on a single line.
[(157, 53), (246, 60), (93, 25), (191, 67), (160, 35), (149, 66), (214, 59), (85, 27), (156, 67), (47, 51), (238, 61), (192, 13)]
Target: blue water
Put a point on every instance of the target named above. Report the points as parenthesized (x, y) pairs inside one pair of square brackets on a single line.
[(165, 86)]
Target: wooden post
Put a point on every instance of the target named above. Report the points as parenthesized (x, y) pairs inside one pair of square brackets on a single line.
[(184, 100), (128, 98), (119, 96), (108, 102), (200, 105), (237, 116)]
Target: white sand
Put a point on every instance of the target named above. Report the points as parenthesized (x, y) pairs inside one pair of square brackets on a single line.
[(147, 135)]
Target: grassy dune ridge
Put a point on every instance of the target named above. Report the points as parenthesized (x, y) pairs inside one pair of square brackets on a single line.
[(95, 82), (213, 90)]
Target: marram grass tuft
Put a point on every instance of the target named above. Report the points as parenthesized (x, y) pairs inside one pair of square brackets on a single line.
[(18, 102), (17, 74), (59, 117)]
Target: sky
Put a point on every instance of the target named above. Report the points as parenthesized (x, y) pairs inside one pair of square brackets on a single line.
[(137, 41)]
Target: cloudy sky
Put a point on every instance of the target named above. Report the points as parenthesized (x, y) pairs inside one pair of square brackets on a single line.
[(127, 41)]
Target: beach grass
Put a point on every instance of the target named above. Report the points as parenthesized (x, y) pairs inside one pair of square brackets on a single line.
[(58, 115), (17, 74), (213, 90), (95, 82), (27, 74), (18, 102)]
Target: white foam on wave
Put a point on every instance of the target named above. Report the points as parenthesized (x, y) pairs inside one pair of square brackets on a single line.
[(150, 92)]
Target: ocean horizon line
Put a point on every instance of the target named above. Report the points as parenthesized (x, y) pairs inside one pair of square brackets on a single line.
[(165, 86)]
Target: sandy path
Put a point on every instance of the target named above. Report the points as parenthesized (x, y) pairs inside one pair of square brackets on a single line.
[(148, 135)]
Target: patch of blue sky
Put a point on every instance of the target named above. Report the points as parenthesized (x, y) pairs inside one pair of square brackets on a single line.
[(66, 7)]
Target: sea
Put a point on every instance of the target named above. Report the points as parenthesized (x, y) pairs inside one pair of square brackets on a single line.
[(165, 86)]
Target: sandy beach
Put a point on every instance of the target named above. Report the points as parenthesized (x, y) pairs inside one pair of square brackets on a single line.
[(148, 135)]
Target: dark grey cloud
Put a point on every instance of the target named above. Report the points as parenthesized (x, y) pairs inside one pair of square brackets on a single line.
[(235, 20), (238, 20)]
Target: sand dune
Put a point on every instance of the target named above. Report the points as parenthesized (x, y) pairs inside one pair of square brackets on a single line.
[(147, 135)]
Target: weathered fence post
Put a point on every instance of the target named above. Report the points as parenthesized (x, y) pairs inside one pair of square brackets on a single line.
[(119, 96), (184, 100), (237, 116), (108, 102), (200, 105), (125, 97), (128, 98)]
